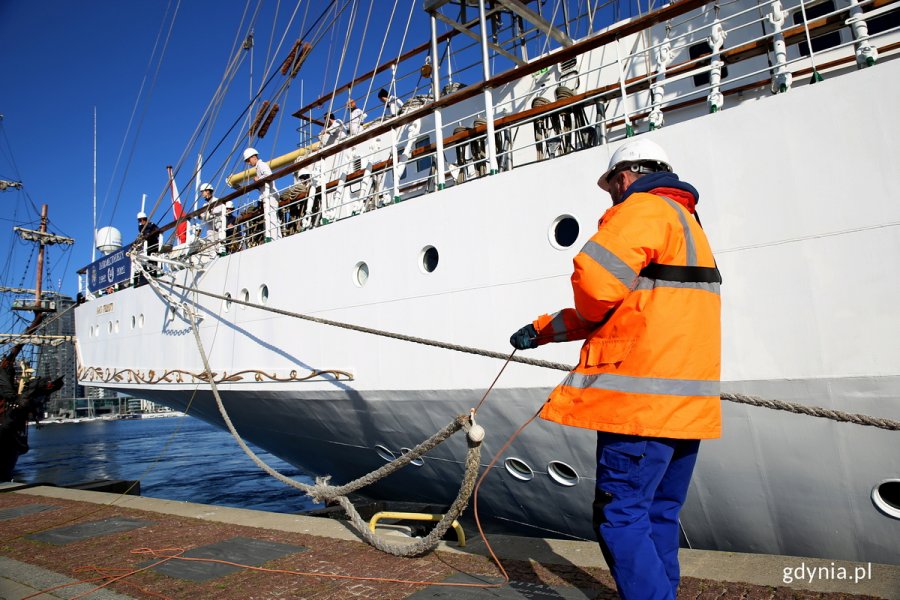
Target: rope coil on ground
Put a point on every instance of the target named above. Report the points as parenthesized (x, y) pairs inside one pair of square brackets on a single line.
[(793, 407)]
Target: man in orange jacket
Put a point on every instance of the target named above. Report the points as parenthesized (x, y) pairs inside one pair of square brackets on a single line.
[(647, 305)]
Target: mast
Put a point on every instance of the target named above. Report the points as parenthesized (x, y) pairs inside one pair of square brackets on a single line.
[(94, 244), (44, 239), (40, 260)]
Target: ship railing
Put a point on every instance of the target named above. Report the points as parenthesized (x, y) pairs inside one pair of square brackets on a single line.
[(616, 102), (596, 128), (591, 131)]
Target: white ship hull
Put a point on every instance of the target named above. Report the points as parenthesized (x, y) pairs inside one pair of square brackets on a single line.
[(798, 199)]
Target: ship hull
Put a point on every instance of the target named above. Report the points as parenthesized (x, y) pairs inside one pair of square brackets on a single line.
[(807, 254)]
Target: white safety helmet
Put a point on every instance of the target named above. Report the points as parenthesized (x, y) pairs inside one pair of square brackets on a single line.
[(205, 187), (142, 215), (636, 151), (229, 204), (250, 152)]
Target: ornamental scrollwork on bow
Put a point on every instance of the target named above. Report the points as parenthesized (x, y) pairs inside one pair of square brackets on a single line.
[(151, 377)]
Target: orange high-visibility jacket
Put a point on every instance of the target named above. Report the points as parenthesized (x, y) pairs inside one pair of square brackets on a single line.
[(650, 362)]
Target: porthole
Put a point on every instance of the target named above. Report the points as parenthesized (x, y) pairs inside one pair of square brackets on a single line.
[(562, 473), (92, 331), (564, 232), (116, 327), (141, 321), (428, 259), (886, 496), (360, 274), (519, 469), (416, 461), (384, 453), (109, 327), (245, 297), (133, 321), (226, 304), (263, 294)]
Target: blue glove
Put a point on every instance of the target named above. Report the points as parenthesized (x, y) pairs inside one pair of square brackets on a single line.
[(524, 338)]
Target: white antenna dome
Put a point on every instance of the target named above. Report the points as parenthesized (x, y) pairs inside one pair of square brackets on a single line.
[(109, 239)]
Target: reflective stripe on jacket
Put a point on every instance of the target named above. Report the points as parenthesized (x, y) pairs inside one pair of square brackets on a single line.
[(650, 362)]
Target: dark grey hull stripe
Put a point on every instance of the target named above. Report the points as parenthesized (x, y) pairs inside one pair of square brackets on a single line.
[(688, 236), (612, 263), (645, 283), (643, 385)]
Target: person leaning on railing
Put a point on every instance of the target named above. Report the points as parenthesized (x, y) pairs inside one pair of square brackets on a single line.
[(268, 195), (232, 229), (148, 233), (647, 305), (392, 104), (214, 215), (357, 116)]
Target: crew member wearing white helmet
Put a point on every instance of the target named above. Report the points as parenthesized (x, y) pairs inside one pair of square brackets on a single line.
[(215, 217), (646, 302), (148, 236), (268, 195)]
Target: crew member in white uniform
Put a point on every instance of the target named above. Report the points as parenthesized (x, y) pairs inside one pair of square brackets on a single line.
[(392, 104), (214, 217), (268, 195), (332, 132), (357, 116)]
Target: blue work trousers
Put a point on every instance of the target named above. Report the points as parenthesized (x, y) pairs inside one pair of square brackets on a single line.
[(641, 486)]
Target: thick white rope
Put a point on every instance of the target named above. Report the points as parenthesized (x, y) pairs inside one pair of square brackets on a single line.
[(322, 491)]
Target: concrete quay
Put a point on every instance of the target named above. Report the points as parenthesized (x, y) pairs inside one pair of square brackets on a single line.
[(62, 543)]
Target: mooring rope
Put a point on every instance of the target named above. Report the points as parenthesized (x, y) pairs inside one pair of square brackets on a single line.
[(815, 411), (397, 336), (322, 491), (793, 407)]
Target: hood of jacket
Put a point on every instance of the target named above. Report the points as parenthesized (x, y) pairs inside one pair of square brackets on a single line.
[(668, 185)]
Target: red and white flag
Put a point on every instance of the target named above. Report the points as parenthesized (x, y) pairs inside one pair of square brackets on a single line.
[(178, 209)]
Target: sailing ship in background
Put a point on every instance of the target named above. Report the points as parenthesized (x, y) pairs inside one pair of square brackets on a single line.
[(23, 393), (457, 219)]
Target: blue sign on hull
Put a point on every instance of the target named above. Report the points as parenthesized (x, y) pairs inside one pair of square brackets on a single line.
[(111, 269)]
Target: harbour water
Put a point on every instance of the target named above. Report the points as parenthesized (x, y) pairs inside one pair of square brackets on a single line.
[(176, 458)]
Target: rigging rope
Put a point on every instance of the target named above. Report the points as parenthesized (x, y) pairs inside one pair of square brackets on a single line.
[(146, 106), (815, 411)]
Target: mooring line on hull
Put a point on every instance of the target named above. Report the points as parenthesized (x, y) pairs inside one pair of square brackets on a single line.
[(397, 336), (322, 491), (792, 407)]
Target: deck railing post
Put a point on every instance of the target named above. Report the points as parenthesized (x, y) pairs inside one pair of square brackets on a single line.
[(438, 120), (490, 142), (783, 77), (866, 53), (395, 184), (716, 39)]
